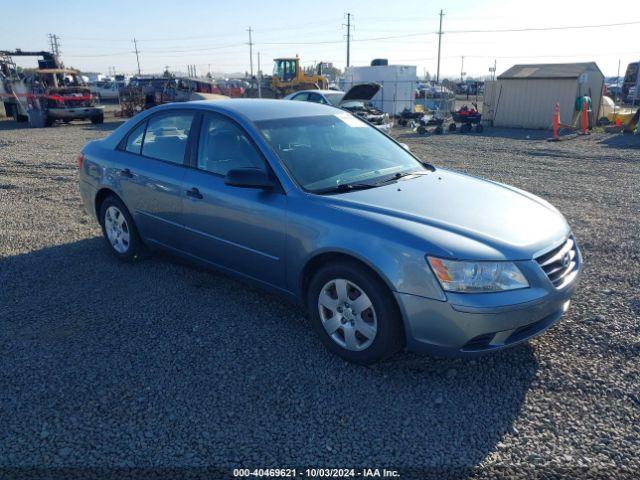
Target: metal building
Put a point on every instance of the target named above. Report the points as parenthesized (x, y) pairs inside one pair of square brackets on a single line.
[(525, 95)]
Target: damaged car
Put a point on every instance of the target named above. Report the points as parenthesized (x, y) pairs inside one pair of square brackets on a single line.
[(44, 96), (357, 100)]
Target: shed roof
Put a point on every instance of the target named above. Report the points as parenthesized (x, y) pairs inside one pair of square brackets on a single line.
[(548, 70)]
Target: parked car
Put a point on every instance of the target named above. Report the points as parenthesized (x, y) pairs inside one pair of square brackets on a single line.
[(107, 90), (355, 100), (384, 250)]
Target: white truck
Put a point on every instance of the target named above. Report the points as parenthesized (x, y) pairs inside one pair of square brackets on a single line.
[(109, 90)]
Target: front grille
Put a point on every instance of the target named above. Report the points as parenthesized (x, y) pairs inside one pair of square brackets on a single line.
[(561, 263)]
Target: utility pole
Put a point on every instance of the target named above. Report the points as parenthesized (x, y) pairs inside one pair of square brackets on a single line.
[(55, 45), (462, 72), (348, 25), (439, 45), (259, 78), (250, 52), (135, 45)]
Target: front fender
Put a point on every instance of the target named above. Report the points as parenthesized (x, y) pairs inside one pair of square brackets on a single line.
[(315, 230)]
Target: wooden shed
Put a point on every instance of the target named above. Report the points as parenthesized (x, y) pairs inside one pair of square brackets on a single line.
[(525, 95)]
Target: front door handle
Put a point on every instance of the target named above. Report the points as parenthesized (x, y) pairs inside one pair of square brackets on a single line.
[(126, 173), (194, 193)]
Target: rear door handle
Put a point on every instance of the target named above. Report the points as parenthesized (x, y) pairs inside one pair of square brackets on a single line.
[(126, 173), (194, 193)]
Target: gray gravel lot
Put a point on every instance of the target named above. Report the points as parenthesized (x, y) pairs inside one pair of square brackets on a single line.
[(162, 365)]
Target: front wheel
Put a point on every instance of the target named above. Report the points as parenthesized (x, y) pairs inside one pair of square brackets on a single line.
[(119, 231), (354, 313)]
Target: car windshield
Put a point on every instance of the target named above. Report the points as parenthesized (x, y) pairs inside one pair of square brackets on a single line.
[(334, 98), (326, 151)]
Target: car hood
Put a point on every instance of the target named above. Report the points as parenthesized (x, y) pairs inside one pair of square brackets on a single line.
[(363, 92), (460, 216)]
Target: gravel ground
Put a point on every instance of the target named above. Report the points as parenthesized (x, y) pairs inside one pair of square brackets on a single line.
[(173, 369)]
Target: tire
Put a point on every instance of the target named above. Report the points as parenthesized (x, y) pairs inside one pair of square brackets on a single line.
[(119, 230), (421, 130), (98, 119), (438, 130), (452, 127), (18, 117), (48, 121), (479, 128), (360, 335)]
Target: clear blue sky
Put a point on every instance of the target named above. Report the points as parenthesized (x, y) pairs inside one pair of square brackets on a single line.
[(97, 35)]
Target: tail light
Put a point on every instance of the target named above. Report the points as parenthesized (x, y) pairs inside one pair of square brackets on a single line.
[(80, 160)]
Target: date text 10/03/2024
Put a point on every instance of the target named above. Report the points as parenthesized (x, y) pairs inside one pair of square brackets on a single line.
[(316, 472)]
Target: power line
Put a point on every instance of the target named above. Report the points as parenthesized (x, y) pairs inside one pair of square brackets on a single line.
[(541, 29)]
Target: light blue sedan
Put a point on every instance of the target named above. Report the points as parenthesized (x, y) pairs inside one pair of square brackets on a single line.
[(385, 251)]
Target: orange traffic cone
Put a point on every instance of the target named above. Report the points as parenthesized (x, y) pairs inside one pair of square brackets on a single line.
[(585, 118), (556, 122)]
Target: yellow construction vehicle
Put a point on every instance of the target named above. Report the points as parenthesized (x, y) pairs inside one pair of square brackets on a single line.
[(287, 78)]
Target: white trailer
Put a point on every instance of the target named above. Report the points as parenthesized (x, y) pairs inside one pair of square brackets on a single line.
[(398, 85)]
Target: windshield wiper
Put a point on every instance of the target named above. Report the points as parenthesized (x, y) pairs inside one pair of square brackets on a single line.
[(346, 187)]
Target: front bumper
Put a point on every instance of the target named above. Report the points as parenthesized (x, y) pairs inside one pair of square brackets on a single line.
[(75, 113), (449, 328)]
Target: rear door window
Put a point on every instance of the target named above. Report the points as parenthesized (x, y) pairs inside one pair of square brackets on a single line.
[(167, 136)]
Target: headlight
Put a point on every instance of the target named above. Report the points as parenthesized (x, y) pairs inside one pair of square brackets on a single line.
[(477, 277)]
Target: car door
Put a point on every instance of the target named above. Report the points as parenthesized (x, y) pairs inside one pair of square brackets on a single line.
[(152, 174), (241, 229)]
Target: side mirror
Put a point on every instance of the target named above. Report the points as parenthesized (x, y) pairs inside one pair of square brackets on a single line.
[(249, 178), (405, 146)]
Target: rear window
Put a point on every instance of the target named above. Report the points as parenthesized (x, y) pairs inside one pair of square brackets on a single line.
[(134, 140)]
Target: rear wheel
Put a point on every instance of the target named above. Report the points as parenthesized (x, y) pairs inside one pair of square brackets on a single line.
[(354, 313), (119, 231)]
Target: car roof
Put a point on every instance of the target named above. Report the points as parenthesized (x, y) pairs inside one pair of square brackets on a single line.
[(318, 91), (258, 109)]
